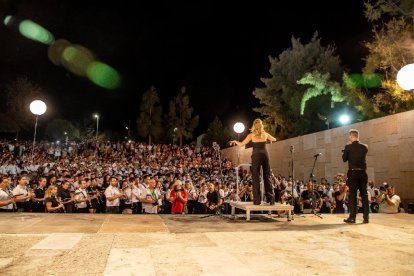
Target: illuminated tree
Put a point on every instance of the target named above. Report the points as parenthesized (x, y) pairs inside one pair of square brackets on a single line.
[(281, 95), (390, 49)]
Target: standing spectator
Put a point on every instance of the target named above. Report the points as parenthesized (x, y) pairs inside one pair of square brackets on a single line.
[(23, 195), (113, 195), (192, 196), (38, 204), (178, 198)]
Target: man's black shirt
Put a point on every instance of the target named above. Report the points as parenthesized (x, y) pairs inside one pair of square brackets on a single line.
[(355, 154)]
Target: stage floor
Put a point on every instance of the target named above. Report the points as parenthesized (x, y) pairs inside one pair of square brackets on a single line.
[(83, 244)]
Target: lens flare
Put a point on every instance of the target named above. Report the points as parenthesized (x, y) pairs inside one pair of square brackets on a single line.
[(77, 59), (55, 51), (369, 81), (8, 20), (103, 75), (35, 32)]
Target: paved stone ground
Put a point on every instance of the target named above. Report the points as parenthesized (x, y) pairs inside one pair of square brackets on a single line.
[(83, 244)]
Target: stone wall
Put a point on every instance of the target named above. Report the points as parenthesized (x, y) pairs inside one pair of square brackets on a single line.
[(390, 157)]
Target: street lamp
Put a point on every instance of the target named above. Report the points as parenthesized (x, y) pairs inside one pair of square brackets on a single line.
[(238, 128), (37, 107), (97, 125), (127, 128), (344, 119), (66, 137)]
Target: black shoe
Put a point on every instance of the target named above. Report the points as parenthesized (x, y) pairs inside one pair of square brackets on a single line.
[(272, 201), (365, 221), (348, 220), (256, 203)]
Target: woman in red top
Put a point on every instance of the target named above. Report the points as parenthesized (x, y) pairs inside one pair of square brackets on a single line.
[(178, 198)]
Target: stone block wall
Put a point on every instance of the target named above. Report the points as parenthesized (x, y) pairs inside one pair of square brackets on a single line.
[(390, 156)]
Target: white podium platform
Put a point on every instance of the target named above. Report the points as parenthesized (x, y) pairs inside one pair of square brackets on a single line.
[(249, 206)]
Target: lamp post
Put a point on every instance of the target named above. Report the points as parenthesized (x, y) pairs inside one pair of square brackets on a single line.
[(174, 131), (97, 125), (66, 138), (37, 107), (238, 128)]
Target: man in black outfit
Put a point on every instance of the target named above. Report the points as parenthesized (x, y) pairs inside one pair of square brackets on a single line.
[(355, 153)]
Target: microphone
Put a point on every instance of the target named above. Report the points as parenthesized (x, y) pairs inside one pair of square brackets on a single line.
[(316, 155)]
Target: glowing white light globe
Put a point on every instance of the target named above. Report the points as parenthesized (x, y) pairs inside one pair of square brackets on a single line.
[(344, 119), (238, 127), (37, 107), (405, 77)]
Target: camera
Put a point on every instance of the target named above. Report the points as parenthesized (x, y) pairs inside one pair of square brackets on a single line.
[(155, 203), (384, 187)]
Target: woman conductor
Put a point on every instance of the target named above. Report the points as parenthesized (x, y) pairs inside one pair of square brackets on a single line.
[(260, 159)]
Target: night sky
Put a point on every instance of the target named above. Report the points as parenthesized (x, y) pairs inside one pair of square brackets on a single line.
[(218, 50)]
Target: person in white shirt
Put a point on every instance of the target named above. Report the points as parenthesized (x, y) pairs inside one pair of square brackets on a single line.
[(81, 198), (149, 199), (389, 202), (7, 201), (135, 194), (113, 195), (23, 195)]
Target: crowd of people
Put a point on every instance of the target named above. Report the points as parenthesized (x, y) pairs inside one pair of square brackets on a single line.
[(133, 177)]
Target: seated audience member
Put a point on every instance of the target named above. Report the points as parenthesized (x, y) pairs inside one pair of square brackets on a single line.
[(246, 194), (324, 206), (213, 200), (340, 198), (283, 199), (388, 201)]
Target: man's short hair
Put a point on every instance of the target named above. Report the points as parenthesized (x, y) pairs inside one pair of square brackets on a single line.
[(354, 132)]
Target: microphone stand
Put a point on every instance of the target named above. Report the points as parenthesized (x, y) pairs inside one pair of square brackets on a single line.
[(313, 195)]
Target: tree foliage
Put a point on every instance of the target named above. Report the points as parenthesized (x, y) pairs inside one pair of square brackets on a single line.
[(282, 95), (57, 128), (149, 118), (218, 133), (390, 49), (181, 122), (18, 95)]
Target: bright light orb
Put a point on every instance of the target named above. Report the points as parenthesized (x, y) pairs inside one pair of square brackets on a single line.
[(238, 127), (37, 107), (405, 77), (344, 119)]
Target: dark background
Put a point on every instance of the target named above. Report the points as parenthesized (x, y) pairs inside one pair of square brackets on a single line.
[(218, 50)]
